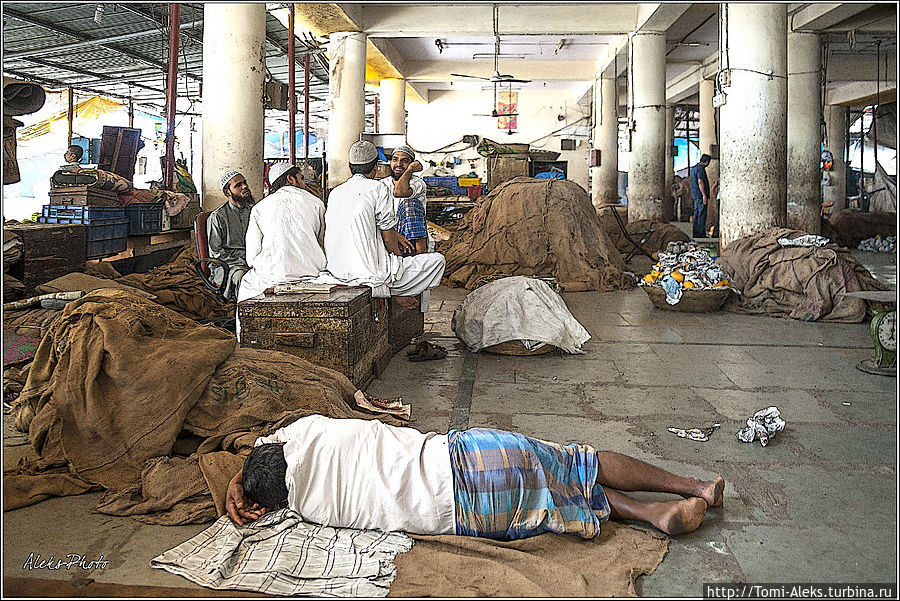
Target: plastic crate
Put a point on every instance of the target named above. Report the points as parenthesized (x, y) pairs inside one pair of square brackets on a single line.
[(474, 191), (441, 182), (107, 227), (144, 218), (469, 181)]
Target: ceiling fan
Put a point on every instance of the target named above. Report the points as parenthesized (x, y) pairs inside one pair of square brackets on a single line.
[(497, 77)]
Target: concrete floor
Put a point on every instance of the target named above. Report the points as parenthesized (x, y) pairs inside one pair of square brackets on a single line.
[(818, 504)]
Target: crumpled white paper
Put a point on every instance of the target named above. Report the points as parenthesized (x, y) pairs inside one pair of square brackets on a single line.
[(807, 240), (762, 425)]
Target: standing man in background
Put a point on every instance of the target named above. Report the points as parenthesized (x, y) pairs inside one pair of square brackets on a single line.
[(700, 194)]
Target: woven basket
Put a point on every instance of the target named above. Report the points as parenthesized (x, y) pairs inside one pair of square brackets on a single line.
[(515, 347), (692, 301)]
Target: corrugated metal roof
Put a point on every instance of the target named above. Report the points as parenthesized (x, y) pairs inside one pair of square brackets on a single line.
[(124, 55)]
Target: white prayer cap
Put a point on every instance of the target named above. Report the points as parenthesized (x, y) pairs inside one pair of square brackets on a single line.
[(406, 149), (363, 152), (277, 170), (226, 177)]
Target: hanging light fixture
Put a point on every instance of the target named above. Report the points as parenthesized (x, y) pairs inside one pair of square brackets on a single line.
[(98, 14)]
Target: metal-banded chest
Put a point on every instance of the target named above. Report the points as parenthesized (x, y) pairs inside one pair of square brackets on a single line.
[(345, 330)]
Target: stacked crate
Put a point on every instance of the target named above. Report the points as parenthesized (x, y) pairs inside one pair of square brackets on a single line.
[(107, 227)]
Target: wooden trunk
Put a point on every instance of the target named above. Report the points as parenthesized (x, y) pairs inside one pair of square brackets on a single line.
[(83, 196), (49, 250), (346, 330), (404, 325)]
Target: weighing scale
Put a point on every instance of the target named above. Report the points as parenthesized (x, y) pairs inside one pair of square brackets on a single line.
[(883, 330)]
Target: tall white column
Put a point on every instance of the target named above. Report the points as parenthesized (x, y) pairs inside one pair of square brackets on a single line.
[(234, 69), (753, 121), (605, 178), (836, 142), (347, 81), (707, 140), (804, 131), (669, 213), (646, 173), (392, 106)]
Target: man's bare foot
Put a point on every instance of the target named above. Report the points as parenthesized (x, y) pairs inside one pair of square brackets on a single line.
[(713, 492), (407, 302), (679, 517)]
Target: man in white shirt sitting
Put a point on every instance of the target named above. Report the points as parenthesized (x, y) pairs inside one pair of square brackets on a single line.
[(285, 235), (359, 232), (354, 473)]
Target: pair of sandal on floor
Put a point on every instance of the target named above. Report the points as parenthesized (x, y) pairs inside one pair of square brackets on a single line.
[(425, 351)]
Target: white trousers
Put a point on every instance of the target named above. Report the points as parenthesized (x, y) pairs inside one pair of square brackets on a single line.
[(420, 273)]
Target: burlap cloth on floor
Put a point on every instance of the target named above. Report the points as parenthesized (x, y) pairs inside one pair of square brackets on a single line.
[(535, 227), (550, 565), (795, 281), (179, 288), (849, 227), (659, 237), (130, 395)]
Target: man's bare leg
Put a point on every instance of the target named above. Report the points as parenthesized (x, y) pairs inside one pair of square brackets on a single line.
[(627, 473), (672, 517), (407, 302)]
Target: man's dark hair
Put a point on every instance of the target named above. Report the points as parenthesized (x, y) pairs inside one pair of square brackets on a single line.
[(77, 150), (705, 158), (282, 180), (364, 169), (264, 476)]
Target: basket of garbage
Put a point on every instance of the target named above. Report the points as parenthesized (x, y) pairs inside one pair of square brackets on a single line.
[(685, 278), (692, 301), (517, 348)]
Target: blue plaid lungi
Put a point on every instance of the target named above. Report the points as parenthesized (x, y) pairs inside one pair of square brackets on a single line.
[(509, 486), (411, 220)]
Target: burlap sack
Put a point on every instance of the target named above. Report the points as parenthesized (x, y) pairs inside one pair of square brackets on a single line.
[(179, 288), (849, 227), (535, 227), (659, 237), (794, 281)]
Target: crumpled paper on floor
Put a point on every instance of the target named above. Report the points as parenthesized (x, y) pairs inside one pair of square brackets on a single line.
[(762, 425), (698, 434)]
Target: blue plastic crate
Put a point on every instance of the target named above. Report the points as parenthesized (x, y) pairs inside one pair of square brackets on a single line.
[(107, 227), (144, 218), (441, 182)]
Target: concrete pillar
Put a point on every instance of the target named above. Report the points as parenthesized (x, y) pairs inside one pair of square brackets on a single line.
[(392, 106), (804, 131), (669, 212), (753, 121), (646, 174), (605, 178), (836, 142), (346, 120), (708, 138), (234, 69)]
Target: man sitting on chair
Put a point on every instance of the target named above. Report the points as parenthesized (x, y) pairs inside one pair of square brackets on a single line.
[(226, 231)]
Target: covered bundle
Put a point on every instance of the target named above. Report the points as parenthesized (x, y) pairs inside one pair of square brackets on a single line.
[(800, 282), (535, 227), (659, 236)]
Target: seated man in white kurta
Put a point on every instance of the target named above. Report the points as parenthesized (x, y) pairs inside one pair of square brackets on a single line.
[(359, 233), (285, 236)]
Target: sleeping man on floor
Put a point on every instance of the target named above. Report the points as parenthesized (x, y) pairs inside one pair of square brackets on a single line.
[(364, 474)]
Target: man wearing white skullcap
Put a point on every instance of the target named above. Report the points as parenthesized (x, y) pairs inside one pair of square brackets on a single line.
[(226, 230), (408, 195), (359, 233), (285, 237)]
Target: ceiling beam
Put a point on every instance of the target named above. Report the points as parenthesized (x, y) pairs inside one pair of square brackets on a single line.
[(63, 67), (476, 20), (818, 16), (659, 17), (688, 83), (423, 71), (861, 93), (72, 34)]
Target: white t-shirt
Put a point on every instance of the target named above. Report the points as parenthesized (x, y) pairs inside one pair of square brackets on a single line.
[(357, 473), (357, 211), (284, 240), (416, 183)]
